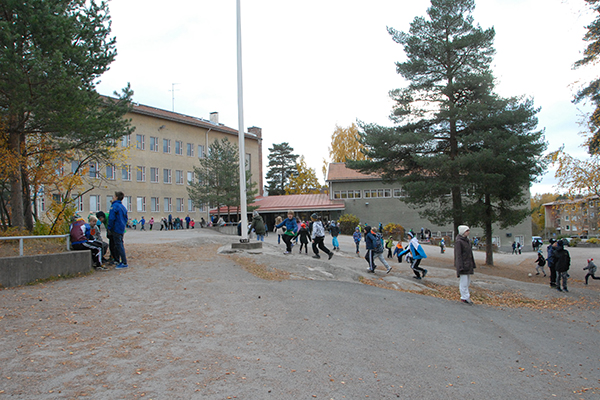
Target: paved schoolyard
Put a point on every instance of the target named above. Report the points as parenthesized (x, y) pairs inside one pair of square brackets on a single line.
[(187, 321)]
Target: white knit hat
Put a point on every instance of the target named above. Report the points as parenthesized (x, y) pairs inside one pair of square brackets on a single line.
[(462, 229)]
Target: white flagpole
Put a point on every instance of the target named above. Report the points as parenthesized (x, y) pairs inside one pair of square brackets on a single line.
[(241, 136)]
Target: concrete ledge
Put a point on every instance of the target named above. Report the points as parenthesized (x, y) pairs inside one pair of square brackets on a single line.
[(247, 246), (15, 271)]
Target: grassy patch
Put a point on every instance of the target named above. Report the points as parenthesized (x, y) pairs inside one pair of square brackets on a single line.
[(482, 296), (260, 270), (60, 277)]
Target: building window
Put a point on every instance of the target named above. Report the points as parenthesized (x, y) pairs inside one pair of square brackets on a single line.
[(190, 149), (125, 140), (94, 203), (141, 174), (179, 147), (56, 198), (153, 175), (248, 161), (153, 143), (387, 192), (567, 228), (375, 193), (166, 175), (191, 207), (337, 195), (127, 203), (343, 194), (178, 177), (111, 172), (42, 203), (566, 217), (190, 177), (94, 173), (154, 204), (141, 204), (74, 167), (108, 203), (180, 205), (78, 201), (357, 194), (140, 142), (367, 194), (200, 151), (167, 146), (126, 173), (167, 204)]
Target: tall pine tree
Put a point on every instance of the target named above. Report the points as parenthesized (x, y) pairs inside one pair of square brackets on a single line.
[(282, 166)]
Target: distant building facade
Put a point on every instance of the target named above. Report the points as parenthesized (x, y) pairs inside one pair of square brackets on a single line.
[(158, 165), (374, 201), (574, 218)]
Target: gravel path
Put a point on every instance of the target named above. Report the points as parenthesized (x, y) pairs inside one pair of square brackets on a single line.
[(188, 321)]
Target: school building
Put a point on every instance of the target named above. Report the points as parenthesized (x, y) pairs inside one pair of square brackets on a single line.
[(157, 165)]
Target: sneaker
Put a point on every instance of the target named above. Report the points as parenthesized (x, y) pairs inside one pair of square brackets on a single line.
[(330, 255), (371, 271), (565, 290), (544, 275), (559, 289), (121, 266), (424, 273), (417, 277), (316, 256), (286, 252), (389, 270), (539, 273), (101, 268), (469, 302)]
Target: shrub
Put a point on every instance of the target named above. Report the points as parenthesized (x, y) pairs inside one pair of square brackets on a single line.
[(348, 222), (593, 241), (394, 230)]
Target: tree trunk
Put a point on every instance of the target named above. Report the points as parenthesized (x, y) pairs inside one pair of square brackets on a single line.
[(16, 184), (489, 249), (27, 211)]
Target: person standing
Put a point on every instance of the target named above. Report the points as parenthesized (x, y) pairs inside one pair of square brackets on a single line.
[(551, 266), (335, 232), (304, 238), (464, 262), (318, 237), (258, 225), (357, 236), (389, 245), (187, 222), (117, 218), (151, 222), (142, 223), (562, 262)]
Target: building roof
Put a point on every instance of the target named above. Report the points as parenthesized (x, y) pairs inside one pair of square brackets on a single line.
[(294, 202), (339, 172), (572, 201), (185, 119)]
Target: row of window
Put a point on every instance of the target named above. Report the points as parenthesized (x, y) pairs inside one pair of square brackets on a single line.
[(368, 193), (140, 144), (140, 174), (156, 204)]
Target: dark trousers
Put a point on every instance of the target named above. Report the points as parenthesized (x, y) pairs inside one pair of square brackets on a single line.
[(318, 242), (95, 247), (305, 246), (287, 239), (588, 277), (415, 267), (370, 261), (389, 253), (552, 274), (111, 247), (120, 248)]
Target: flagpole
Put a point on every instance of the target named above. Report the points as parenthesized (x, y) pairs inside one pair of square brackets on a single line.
[(241, 136)]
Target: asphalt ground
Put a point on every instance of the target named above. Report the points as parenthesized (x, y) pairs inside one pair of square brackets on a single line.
[(191, 319)]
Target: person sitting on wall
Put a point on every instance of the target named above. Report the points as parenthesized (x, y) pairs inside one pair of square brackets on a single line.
[(82, 239)]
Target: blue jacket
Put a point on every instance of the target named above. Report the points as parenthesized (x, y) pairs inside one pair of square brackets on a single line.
[(371, 241), (291, 226), (415, 249), (117, 218)]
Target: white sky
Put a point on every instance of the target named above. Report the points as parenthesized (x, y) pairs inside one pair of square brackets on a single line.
[(310, 65)]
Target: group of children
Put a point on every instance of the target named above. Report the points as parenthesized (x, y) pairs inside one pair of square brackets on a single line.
[(288, 230)]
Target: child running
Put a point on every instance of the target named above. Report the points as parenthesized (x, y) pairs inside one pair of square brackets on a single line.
[(304, 235), (290, 230), (318, 236), (541, 261), (591, 268), (357, 236), (417, 255)]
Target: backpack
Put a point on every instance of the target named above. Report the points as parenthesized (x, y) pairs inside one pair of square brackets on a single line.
[(378, 243), (542, 262)]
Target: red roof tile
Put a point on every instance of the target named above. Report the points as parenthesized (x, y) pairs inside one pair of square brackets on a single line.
[(294, 202)]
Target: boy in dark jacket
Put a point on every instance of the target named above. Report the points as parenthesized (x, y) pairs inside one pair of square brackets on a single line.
[(591, 269), (117, 219), (562, 262)]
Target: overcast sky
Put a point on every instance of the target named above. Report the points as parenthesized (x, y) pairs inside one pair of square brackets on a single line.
[(310, 65)]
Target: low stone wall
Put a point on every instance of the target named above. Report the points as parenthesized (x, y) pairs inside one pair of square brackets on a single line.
[(15, 271)]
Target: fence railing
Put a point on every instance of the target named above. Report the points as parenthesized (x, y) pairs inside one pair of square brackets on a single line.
[(22, 238)]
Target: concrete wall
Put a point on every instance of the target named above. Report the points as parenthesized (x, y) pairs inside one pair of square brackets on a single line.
[(15, 271)]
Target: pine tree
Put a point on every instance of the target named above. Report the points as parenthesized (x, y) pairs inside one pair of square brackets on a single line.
[(217, 182), (51, 56), (282, 166)]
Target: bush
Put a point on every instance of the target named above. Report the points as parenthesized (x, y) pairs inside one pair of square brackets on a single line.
[(394, 230), (348, 222), (593, 241)]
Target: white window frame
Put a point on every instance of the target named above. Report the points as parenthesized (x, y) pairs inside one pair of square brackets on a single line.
[(167, 204), (200, 151), (154, 204), (191, 207), (111, 172), (141, 204), (95, 202), (167, 145), (154, 175), (126, 169), (94, 172), (190, 177), (189, 151), (179, 177), (140, 141), (78, 200), (180, 204), (154, 143), (168, 175), (179, 143), (125, 140)]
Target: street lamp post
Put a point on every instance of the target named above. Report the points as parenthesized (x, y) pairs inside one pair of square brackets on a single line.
[(241, 136)]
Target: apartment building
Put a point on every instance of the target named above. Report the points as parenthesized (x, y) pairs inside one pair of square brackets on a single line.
[(575, 217), (158, 164)]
